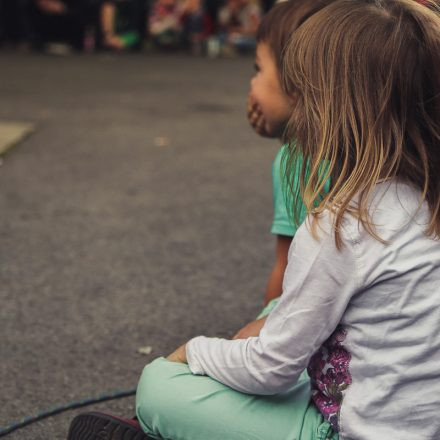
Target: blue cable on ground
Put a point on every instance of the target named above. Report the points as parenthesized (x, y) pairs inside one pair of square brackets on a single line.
[(59, 409)]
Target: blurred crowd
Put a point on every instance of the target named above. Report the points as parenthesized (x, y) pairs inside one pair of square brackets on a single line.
[(212, 27)]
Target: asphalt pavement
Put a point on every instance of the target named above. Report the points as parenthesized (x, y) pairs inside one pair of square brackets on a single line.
[(135, 216)]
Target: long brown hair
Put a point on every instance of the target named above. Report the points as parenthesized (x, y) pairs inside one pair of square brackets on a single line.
[(366, 78)]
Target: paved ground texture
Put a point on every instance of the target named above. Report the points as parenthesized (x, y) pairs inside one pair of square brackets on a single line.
[(136, 215)]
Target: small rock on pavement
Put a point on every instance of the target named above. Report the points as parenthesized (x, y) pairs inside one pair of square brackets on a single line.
[(145, 350)]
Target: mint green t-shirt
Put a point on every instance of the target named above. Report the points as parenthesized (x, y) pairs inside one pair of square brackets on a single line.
[(282, 224)]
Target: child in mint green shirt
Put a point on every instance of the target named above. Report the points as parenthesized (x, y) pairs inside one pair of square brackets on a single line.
[(268, 112)]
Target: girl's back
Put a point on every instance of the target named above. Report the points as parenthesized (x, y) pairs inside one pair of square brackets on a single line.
[(380, 366), (365, 76)]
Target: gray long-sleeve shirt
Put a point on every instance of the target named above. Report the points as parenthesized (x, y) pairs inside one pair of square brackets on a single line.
[(365, 320)]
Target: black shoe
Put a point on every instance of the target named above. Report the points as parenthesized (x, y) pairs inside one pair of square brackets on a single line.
[(100, 426)]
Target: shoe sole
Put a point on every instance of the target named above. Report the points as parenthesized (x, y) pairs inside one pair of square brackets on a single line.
[(92, 426)]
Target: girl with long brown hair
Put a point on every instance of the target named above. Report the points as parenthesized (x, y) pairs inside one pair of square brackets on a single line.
[(360, 307)]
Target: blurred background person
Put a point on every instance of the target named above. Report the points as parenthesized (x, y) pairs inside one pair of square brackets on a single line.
[(62, 21), (122, 23), (165, 24), (238, 23), (195, 26), (175, 24)]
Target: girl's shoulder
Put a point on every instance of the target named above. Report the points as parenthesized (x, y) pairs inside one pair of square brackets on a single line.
[(395, 210), (393, 201)]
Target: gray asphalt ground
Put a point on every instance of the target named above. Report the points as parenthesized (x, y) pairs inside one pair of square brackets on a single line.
[(137, 214)]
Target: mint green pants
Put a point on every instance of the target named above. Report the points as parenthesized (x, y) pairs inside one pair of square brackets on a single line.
[(174, 404)]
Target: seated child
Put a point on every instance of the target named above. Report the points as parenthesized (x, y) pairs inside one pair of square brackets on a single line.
[(268, 111), (359, 307)]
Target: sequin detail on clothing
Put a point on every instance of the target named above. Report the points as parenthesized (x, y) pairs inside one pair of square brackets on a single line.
[(330, 377)]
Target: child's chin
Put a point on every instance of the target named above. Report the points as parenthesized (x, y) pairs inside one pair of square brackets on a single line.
[(275, 131)]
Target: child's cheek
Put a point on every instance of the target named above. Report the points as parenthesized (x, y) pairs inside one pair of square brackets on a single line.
[(253, 84), (257, 91)]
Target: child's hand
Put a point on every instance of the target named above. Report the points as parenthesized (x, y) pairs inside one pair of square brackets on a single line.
[(251, 329), (256, 118), (179, 355)]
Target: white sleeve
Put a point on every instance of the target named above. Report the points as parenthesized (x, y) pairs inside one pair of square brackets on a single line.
[(318, 284)]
